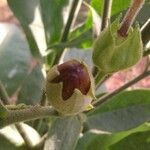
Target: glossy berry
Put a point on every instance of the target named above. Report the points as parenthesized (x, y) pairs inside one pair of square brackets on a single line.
[(73, 74), (70, 87)]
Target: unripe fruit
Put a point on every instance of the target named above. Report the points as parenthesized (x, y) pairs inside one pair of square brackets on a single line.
[(70, 87), (112, 53)]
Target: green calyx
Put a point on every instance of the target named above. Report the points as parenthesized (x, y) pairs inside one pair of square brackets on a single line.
[(75, 104), (112, 53)]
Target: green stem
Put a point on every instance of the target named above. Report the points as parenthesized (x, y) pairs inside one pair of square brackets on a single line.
[(18, 126), (72, 16), (110, 95), (4, 94), (31, 113), (106, 14), (99, 77)]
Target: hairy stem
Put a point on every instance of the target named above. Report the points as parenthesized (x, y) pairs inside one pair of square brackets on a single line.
[(18, 126), (128, 20), (110, 95), (31, 113)]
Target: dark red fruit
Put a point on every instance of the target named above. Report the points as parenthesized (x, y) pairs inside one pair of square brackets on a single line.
[(73, 74)]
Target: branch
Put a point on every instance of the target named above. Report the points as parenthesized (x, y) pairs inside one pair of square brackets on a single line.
[(128, 20), (22, 132), (72, 16), (41, 143), (146, 52), (110, 95), (145, 31), (31, 113), (19, 127), (4, 94), (106, 13)]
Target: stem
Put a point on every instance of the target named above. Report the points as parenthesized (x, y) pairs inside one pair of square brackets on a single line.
[(34, 112), (110, 95), (43, 98), (22, 132), (145, 31), (41, 143), (4, 94), (106, 14), (99, 77), (69, 21), (72, 16), (19, 127), (102, 81), (132, 12), (147, 52), (37, 123)]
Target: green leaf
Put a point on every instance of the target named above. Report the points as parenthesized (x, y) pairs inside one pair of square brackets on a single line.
[(64, 133), (96, 20), (14, 58), (54, 15), (137, 138), (84, 40), (143, 15), (31, 88), (3, 110), (117, 6), (26, 12), (82, 36), (125, 110), (21, 73)]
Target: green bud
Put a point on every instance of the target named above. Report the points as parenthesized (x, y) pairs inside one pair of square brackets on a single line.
[(70, 87), (113, 53)]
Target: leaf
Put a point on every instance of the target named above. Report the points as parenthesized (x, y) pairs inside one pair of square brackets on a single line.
[(143, 15), (124, 111), (117, 6), (63, 134), (133, 139), (82, 36), (19, 68), (95, 19), (139, 140), (31, 88), (84, 40), (3, 110), (8, 142), (14, 58), (54, 16), (26, 12)]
